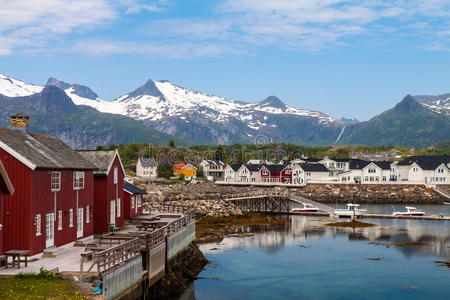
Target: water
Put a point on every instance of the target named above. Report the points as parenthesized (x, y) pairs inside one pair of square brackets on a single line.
[(306, 260)]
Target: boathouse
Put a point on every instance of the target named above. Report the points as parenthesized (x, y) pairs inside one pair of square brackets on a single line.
[(54, 191), (132, 200), (6, 188), (108, 189)]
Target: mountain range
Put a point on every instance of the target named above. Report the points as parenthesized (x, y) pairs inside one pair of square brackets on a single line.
[(160, 110)]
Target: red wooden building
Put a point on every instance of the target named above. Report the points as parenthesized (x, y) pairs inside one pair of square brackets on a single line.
[(6, 188), (54, 192), (132, 200), (108, 190), (276, 173)]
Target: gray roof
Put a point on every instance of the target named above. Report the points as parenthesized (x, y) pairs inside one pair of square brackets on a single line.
[(102, 159), (214, 162), (39, 151), (132, 189), (426, 162), (148, 162), (235, 167), (313, 167)]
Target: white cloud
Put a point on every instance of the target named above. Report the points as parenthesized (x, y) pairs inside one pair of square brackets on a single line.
[(136, 6)]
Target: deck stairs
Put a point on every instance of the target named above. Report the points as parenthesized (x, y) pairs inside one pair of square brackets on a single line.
[(445, 194)]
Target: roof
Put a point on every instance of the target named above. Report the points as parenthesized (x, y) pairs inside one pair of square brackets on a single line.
[(311, 160), (213, 162), (102, 159), (384, 165), (275, 168), (358, 164), (182, 166), (426, 162), (5, 183), (314, 168), (235, 167), (148, 162), (132, 189), (38, 151), (253, 167)]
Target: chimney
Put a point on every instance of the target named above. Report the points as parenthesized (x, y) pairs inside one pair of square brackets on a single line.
[(19, 122)]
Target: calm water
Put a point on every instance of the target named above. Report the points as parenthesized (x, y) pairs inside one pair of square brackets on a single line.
[(306, 260)]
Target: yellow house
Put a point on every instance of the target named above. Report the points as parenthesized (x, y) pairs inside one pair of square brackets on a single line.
[(188, 170)]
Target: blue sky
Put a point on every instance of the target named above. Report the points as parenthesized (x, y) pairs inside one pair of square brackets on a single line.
[(344, 58)]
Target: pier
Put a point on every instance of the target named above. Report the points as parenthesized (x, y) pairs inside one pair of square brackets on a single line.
[(275, 202), (127, 262)]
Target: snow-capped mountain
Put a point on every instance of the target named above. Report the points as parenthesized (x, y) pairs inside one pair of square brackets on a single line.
[(439, 104), (204, 118), (11, 87)]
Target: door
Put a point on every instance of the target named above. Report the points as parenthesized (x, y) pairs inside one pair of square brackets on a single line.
[(112, 215), (135, 199), (80, 223), (49, 230)]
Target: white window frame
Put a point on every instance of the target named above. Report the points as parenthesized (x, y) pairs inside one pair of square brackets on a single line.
[(71, 217), (132, 201), (116, 175), (118, 203), (88, 220), (37, 219), (55, 185), (78, 180), (60, 221), (139, 200)]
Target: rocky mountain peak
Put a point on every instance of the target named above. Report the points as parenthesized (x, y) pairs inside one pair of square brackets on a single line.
[(408, 105), (273, 101), (79, 90), (149, 89)]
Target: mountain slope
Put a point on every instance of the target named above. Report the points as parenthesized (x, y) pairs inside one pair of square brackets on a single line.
[(53, 112), (409, 123)]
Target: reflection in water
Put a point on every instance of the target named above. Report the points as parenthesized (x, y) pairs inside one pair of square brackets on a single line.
[(303, 259), (303, 229)]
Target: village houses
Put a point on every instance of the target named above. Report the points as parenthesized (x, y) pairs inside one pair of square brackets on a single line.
[(147, 168), (213, 169), (187, 170)]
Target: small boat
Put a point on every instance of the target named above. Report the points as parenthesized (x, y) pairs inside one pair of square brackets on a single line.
[(305, 209), (351, 211), (410, 211)]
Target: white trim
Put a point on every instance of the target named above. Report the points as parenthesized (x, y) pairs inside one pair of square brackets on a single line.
[(18, 156), (128, 192), (112, 162)]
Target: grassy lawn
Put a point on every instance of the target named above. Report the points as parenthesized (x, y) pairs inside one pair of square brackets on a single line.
[(44, 285)]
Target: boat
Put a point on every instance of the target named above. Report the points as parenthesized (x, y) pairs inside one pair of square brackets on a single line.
[(352, 210), (410, 211), (305, 209)]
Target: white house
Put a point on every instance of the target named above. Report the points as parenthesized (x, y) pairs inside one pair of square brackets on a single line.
[(376, 172), (354, 174), (147, 168), (425, 169), (335, 165), (231, 172), (304, 173), (213, 169), (249, 173)]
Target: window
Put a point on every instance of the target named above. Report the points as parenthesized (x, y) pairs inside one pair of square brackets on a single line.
[(118, 208), (132, 202), (372, 171), (60, 222), (87, 214), (288, 171), (78, 180), (71, 217), (116, 175), (265, 172), (384, 178), (37, 219), (56, 181)]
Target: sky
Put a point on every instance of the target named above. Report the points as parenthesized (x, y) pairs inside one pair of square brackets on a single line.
[(345, 58)]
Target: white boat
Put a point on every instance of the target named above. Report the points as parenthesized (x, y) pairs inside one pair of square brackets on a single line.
[(305, 209), (410, 211), (352, 210)]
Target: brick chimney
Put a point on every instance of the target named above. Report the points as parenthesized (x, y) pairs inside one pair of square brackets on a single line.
[(19, 122)]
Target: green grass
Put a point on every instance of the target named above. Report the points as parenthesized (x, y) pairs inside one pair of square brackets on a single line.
[(44, 285)]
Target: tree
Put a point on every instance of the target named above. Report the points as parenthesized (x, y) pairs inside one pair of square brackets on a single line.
[(171, 144)]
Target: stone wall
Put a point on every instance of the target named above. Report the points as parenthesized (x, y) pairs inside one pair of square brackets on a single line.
[(367, 193)]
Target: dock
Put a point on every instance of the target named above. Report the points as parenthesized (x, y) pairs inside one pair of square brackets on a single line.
[(128, 261)]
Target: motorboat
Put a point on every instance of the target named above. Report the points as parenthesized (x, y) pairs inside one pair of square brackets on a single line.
[(410, 211), (352, 210), (305, 209)]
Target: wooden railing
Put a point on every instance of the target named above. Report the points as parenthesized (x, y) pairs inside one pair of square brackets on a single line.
[(124, 247)]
